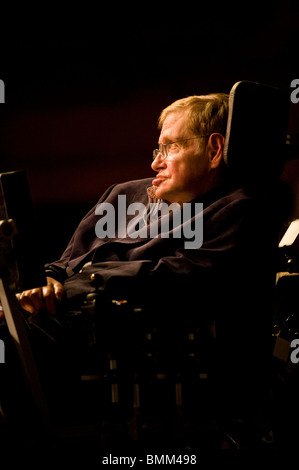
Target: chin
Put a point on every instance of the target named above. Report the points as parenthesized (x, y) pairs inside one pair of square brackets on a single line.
[(165, 193), (159, 193), (162, 194)]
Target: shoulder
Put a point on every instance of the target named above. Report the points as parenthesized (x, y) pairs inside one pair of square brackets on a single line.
[(134, 185), (230, 198), (134, 190), (229, 211)]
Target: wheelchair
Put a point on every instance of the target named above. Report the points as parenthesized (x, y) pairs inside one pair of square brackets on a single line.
[(132, 382)]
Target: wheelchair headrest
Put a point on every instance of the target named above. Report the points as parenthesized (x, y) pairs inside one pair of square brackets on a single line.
[(255, 144)]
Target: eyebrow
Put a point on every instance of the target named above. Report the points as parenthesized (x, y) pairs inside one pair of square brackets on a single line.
[(176, 139), (167, 137)]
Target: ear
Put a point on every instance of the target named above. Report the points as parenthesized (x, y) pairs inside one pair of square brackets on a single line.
[(215, 149)]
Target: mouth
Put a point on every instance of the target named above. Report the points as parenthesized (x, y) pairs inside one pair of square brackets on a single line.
[(158, 180)]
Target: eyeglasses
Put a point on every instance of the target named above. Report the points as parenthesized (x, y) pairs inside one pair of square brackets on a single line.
[(164, 149)]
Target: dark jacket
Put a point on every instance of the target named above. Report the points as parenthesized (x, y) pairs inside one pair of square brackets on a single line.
[(235, 241), (224, 286)]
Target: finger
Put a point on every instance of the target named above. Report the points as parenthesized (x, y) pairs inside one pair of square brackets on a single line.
[(26, 303), (32, 301), (48, 299), (36, 297), (57, 287), (58, 291)]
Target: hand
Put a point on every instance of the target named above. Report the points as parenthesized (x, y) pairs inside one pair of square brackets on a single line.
[(42, 298)]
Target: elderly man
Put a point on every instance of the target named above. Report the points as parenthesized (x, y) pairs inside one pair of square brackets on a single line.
[(189, 171), (186, 245)]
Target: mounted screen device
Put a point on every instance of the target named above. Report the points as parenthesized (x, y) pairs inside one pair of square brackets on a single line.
[(20, 241), (20, 268)]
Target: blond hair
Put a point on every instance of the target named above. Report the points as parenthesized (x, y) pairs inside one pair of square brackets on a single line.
[(206, 113)]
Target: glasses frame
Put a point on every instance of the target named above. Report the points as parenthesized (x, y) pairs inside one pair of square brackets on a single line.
[(163, 147)]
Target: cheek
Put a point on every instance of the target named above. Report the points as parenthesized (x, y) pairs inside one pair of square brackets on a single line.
[(190, 172), (179, 174), (192, 168), (198, 167)]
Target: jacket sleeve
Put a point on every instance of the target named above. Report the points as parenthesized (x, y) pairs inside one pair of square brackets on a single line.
[(79, 244)]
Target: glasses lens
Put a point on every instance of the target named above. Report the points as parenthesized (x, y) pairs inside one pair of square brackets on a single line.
[(163, 150)]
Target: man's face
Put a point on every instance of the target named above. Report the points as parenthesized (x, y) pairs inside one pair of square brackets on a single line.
[(183, 174)]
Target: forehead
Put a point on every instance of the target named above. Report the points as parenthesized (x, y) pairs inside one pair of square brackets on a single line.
[(175, 127)]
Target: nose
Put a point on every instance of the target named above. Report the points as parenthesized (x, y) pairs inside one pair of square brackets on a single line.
[(158, 162)]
